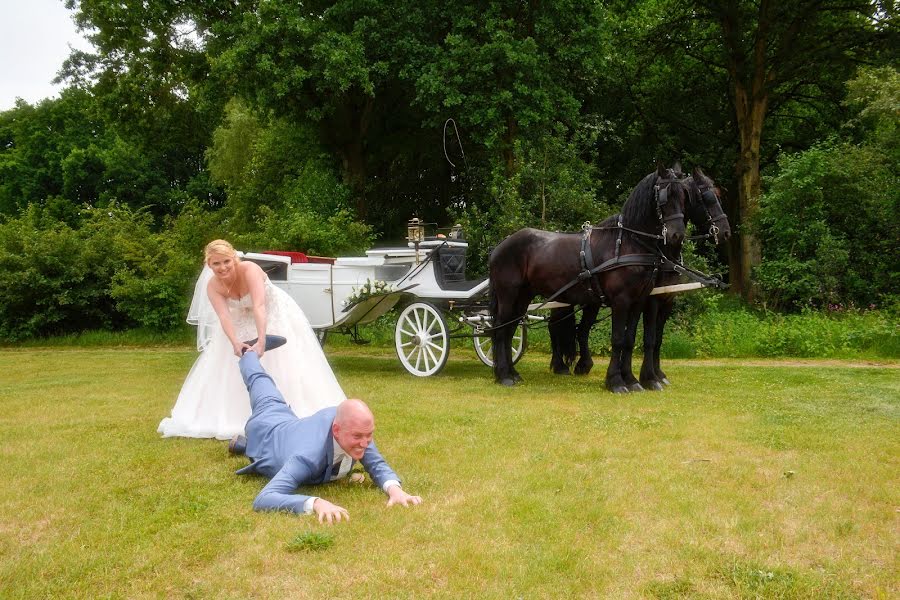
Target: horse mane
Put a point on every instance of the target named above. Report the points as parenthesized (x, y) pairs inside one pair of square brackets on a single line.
[(640, 208)]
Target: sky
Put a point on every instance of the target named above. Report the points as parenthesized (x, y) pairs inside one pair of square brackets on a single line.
[(35, 39)]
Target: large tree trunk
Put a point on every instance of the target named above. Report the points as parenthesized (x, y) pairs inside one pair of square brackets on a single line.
[(750, 80), (750, 121)]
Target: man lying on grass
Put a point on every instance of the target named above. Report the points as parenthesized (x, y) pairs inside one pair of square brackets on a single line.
[(309, 451)]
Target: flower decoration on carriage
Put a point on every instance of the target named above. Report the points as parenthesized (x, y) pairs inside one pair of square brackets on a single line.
[(367, 290)]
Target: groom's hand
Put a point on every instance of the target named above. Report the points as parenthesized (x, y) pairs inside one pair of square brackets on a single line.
[(396, 495), (328, 512)]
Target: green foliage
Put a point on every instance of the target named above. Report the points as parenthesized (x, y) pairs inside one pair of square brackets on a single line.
[(875, 94), (551, 190), (108, 270), (728, 329), (282, 189), (828, 227), (53, 278), (36, 143)]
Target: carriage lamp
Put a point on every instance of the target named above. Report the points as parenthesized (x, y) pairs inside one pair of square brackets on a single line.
[(415, 234), (415, 231), (456, 232)]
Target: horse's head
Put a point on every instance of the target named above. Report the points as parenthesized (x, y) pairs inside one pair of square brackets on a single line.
[(671, 198), (704, 209)]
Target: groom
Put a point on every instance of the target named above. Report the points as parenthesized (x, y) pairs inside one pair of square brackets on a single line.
[(317, 449)]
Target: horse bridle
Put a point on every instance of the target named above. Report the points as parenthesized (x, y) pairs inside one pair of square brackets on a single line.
[(662, 198), (708, 197)]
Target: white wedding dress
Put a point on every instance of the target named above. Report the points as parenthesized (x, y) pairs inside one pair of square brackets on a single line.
[(213, 402)]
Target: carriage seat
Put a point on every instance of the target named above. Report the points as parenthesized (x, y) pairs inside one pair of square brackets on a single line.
[(450, 269)]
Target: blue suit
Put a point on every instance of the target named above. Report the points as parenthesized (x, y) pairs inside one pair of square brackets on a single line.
[(292, 451)]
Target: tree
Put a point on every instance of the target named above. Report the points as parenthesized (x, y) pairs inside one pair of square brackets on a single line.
[(769, 59), (149, 78), (35, 143)]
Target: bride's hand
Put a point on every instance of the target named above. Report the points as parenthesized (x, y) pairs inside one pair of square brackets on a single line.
[(260, 347), (239, 348)]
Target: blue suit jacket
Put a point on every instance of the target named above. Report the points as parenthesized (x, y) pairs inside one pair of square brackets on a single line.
[(292, 451)]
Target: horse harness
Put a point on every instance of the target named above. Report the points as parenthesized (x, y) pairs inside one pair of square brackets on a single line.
[(588, 269), (708, 197)]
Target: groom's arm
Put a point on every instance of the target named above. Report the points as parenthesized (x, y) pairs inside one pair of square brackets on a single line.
[(279, 493), (385, 478)]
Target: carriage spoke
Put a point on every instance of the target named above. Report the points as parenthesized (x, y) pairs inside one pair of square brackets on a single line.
[(418, 357), (409, 333), (429, 353), (411, 352), (431, 326)]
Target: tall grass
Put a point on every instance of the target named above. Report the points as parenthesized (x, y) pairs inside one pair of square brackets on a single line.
[(712, 325), (705, 325)]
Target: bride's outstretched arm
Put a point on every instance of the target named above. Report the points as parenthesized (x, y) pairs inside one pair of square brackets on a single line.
[(255, 278), (221, 307)]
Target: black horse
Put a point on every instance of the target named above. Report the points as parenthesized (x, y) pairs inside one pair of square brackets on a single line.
[(614, 264), (704, 210)]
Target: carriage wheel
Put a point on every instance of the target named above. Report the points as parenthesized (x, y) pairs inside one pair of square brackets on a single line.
[(484, 347), (421, 339)]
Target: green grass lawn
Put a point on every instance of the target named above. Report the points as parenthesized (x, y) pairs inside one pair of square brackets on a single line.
[(756, 480)]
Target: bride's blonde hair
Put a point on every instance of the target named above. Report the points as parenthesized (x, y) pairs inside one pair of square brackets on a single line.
[(219, 247)]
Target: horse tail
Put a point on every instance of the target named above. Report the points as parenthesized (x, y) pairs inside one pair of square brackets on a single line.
[(563, 334), (492, 310)]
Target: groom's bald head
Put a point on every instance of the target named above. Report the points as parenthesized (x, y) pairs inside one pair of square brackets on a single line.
[(353, 427)]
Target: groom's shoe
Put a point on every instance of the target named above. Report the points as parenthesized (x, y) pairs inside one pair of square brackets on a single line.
[(238, 445), (272, 342)]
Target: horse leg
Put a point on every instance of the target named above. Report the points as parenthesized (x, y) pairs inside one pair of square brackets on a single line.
[(520, 309), (651, 330), (619, 324), (561, 326), (502, 354), (665, 311), (588, 318), (506, 314), (634, 315)]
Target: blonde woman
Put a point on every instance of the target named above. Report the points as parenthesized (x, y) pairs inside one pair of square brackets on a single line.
[(234, 302)]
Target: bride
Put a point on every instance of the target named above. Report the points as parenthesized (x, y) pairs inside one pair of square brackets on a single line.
[(234, 301)]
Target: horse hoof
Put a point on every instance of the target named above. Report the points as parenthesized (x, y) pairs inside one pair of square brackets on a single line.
[(653, 386), (665, 381), (635, 387), (619, 389), (508, 382), (582, 370), (561, 371)]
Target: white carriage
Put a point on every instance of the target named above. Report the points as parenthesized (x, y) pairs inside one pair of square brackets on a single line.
[(426, 278)]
